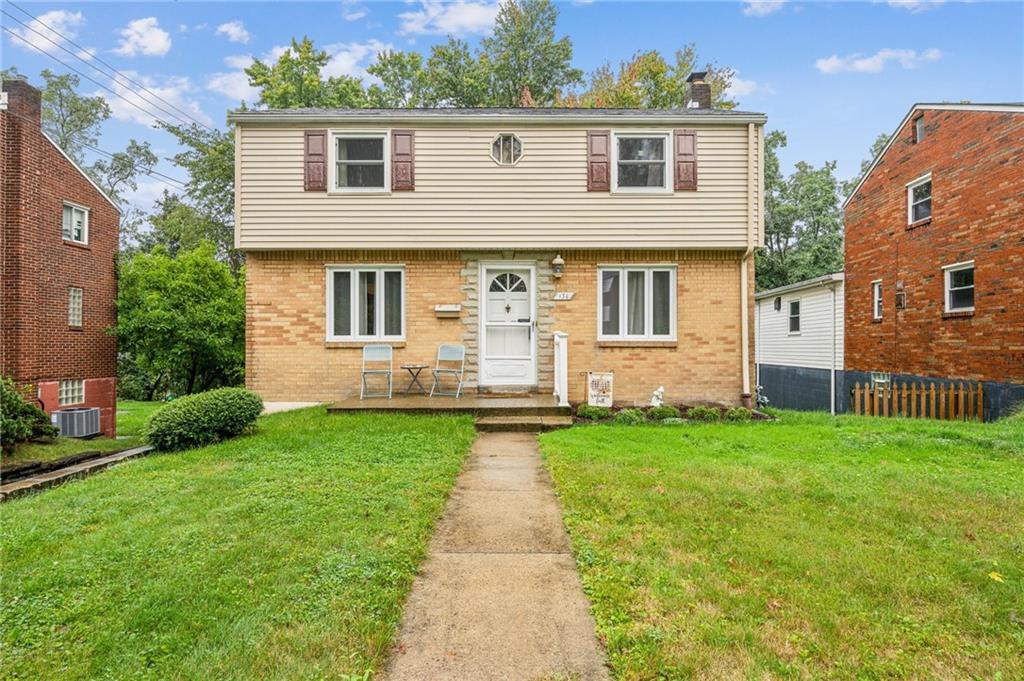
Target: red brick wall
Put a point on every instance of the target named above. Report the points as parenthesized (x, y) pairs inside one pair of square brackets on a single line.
[(976, 160), (39, 266)]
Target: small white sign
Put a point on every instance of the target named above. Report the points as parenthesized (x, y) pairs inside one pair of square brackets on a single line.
[(599, 388), (564, 295)]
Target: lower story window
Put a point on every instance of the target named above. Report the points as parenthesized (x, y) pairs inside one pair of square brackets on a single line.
[(365, 303), (71, 392), (960, 287), (637, 302)]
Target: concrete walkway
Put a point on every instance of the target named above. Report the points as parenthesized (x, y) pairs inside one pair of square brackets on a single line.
[(499, 596)]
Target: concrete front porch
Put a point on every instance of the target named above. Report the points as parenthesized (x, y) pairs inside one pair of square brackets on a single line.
[(530, 413)]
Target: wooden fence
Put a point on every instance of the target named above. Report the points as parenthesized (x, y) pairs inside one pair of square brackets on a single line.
[(960, 402)]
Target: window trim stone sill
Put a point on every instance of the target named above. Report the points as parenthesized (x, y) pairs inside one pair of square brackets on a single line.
[(958, 314), (637, 343), (77, 244), (363, 343), (924, 222)]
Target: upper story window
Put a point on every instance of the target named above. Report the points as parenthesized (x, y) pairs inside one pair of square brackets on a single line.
[(506, 150), (74, 306), (959, 287), (641, 162), (794, 316), (918, 129), (637, 303), (75, 226), (365, 303), (360, 162), (919, 199), (876, 299), (70, 392)]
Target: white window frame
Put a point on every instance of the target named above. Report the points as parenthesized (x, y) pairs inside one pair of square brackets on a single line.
[(70, 391), (669, 164), (910, 198), (877, 304), (85, 223), (790, 315), (515, 161), (332, 168), (75, 307), (947, 278), (354, 271), (648, 334)]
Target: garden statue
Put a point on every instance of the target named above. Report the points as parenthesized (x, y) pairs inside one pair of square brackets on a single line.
[(658, 398)]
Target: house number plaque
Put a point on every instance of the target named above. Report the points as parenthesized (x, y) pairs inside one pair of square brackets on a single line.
[(564, 295)]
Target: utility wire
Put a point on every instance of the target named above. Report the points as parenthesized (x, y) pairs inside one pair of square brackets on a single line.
[(189, 118)]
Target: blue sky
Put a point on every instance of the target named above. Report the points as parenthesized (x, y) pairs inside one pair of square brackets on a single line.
[(832, 75)]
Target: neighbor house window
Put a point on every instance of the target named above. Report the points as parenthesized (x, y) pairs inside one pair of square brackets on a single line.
[(360, 162), (919, 199), (74, 306), (70, 392), (960, 287), (365, 303), (637, 303), (918, 129), (641, 162), (506, 150), (876, 299), (794, 316), (75, 225)]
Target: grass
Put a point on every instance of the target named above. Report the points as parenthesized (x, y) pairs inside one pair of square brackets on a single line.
[(132, 416), (283, 554), (811, 547)]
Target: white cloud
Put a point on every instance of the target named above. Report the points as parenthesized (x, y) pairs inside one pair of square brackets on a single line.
[(857, 63), (915, 6), (741, 87), (762, 8), (174, 90), (145, 197), (144, 36), (456, 18), (354, 15), (235, 31), (234, 84), (55, 25), (351, 59)]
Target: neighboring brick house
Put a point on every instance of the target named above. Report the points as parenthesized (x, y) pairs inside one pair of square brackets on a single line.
[(935, 252), (58, 283), (496, 228)]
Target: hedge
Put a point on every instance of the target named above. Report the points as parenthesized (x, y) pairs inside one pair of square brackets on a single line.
[(204, 418)]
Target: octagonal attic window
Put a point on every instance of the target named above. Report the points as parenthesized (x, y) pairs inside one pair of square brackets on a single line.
[(506, 150)]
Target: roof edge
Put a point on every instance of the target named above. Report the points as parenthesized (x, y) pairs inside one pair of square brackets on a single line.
[(81, 171), (326, 117), (823, 280)]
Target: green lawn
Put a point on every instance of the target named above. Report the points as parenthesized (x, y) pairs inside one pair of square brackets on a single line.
[(806, 548), (132, 416), (284, 554), (60, 447)]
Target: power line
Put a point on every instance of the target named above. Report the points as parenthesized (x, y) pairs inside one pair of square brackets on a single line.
[(190, 118)]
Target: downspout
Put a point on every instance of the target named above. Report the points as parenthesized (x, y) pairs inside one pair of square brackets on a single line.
[(745, 397), (832, 370)]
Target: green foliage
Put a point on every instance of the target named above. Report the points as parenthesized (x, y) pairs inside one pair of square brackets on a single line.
[(20, 419), (701, 413), (737, 414), (630, 417), (589, 411), (72, 121), (454, 77), (665, 411), (294, 81), (204, 418), (182, 318), (876, 149), (403, 81)]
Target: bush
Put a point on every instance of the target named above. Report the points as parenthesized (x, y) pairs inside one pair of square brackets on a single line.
[(629, 417), (203, 419), (703, 414), (665, 411), (738, 414), (20, 419), (588, 411)]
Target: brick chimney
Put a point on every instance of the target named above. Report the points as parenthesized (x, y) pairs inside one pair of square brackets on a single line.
[(699, 95), (23, 100)]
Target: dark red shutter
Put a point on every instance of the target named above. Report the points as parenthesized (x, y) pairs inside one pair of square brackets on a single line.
[(599, 143), (685, 154), (403, 160), (316, 161)]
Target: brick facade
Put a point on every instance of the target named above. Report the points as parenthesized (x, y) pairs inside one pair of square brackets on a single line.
[(39, 266), (975, 160), (288, 359)]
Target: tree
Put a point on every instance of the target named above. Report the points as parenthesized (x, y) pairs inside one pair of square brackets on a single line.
[(454, 77), (179, 227), (71, 120), (523, 52), (876, 149), (403, 82), (182, 319), (295, 81)]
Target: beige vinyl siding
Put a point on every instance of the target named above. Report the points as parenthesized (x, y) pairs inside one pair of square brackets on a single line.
[(464, 200), (821, 329)]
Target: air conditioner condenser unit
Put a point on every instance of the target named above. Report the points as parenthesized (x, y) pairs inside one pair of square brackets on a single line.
[(77, 422)]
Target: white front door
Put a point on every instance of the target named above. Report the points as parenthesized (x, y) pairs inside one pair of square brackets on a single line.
[(508, 330)]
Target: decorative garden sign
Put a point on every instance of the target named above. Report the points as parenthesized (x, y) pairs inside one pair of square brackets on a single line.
[(599, 388)]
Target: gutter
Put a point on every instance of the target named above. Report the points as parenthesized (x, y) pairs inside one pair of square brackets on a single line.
[(326, 118)]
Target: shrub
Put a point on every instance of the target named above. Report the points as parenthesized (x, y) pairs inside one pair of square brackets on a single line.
[(665, 411), (629, 417), (703, 414), (588, 411), (203, 419), (738, 414), (20, 419)]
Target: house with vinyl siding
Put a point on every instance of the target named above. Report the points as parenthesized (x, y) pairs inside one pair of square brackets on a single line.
[(631, 232)]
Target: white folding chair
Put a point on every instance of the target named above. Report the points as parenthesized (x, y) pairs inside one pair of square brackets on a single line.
[(451, 361), (376, 362)]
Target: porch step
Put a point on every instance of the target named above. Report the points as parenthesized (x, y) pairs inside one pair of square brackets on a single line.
[(521, 424)]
